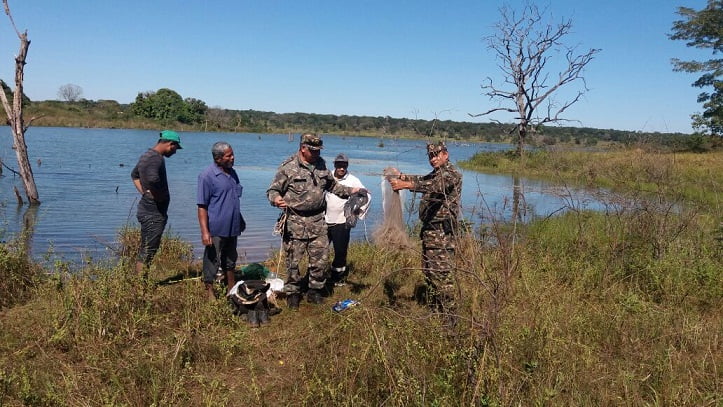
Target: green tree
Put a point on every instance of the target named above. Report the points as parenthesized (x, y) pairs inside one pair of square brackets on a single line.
[(164, 105), (196, 110), (141, 107), (704, 29)]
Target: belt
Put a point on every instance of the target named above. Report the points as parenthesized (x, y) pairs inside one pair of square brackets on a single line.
[(443, 225), (306, 214)]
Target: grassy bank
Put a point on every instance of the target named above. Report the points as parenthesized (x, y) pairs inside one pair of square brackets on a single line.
[(111, 114), (693, 178), (618, 307)]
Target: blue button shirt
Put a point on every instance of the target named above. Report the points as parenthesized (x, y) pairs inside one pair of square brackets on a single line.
[(220, 193)]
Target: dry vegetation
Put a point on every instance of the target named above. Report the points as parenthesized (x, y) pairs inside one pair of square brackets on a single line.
[(616, 307)]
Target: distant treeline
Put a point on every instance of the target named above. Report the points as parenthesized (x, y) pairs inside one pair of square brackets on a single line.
[(193, 115)]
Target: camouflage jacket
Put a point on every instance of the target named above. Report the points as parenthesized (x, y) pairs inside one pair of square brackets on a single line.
[(302, 186), (440, 190)]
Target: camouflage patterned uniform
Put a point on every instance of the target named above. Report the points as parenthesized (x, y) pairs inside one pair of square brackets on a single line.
[(439, 212), (302, 186)]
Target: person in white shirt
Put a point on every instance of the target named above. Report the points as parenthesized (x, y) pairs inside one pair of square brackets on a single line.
[(338, 226)]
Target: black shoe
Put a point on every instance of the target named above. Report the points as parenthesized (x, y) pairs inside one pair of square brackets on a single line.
[(253, 317), (263, 316), (338, 279), (293, 300), (314, 297)]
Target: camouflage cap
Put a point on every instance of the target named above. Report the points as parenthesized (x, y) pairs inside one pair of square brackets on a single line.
[(436, 148), (312, 141)]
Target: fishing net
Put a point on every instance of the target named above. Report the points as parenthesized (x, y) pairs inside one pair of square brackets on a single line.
[(392, 233)]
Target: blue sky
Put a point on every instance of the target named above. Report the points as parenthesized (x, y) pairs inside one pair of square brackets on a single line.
[(417, 59)]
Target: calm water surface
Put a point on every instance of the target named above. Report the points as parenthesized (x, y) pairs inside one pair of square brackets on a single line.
[(83, 179)]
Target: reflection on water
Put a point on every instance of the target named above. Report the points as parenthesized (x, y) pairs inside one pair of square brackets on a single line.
[(87, 194)]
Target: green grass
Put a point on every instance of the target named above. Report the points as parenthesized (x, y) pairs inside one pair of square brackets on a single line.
[(18, 276), (689, 177), (618, 307)]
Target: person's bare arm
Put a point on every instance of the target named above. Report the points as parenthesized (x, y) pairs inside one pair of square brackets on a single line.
[(203, 223)]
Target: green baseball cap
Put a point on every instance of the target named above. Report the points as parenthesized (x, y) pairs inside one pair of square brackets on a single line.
[(170, 135)]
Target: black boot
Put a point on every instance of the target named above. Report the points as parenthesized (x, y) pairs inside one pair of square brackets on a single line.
[(293, 300), (273, 310), (263, 316), (253, 317), (338, 276), (314, 296)]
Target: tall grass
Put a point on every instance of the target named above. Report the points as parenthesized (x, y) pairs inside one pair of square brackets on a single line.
[(18, 275), (628, 298), (615, 307), (694, 178)]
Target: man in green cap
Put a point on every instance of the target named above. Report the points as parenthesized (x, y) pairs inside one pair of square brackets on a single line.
[(149, 177), (439, 212)]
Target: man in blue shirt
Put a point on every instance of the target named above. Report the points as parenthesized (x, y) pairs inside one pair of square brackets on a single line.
[(219, 216)]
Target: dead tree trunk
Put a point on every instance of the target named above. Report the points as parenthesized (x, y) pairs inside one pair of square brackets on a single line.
[(527, 49), (15, 115)]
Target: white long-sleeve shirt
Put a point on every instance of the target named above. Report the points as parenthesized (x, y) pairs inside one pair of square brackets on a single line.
[(335, 205)]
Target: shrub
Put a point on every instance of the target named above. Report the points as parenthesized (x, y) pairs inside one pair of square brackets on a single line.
[(18, 275)]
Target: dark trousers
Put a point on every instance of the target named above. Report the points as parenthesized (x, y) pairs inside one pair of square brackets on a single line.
[(339, 237), (221, 254), (152, 226)]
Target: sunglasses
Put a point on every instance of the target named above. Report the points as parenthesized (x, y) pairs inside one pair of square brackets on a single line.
[(341, 165)]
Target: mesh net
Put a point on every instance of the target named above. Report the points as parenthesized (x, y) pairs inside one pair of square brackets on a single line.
[(392, 233)]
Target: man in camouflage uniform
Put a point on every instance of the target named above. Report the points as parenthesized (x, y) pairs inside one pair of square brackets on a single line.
[(439, 212), (298, 188)]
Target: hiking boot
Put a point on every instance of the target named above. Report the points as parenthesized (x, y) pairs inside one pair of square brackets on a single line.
[(314, 297), (338, 280), (263, 316), (293, 300), (253, 317), (338, 275)]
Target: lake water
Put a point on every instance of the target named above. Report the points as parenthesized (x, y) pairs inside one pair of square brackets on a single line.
[(83, 179)]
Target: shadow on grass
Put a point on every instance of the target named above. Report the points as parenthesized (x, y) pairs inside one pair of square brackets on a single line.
[(177, 278)]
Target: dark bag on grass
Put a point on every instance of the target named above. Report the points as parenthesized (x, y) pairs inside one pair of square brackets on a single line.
[(251, 292), (250, 295)]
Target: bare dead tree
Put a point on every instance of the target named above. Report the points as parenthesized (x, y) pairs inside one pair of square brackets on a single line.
[(70, 92), (15, 115), (526, 49)]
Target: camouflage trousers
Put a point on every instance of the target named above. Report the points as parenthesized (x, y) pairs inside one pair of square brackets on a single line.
[(438, 251), (316, 250)]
